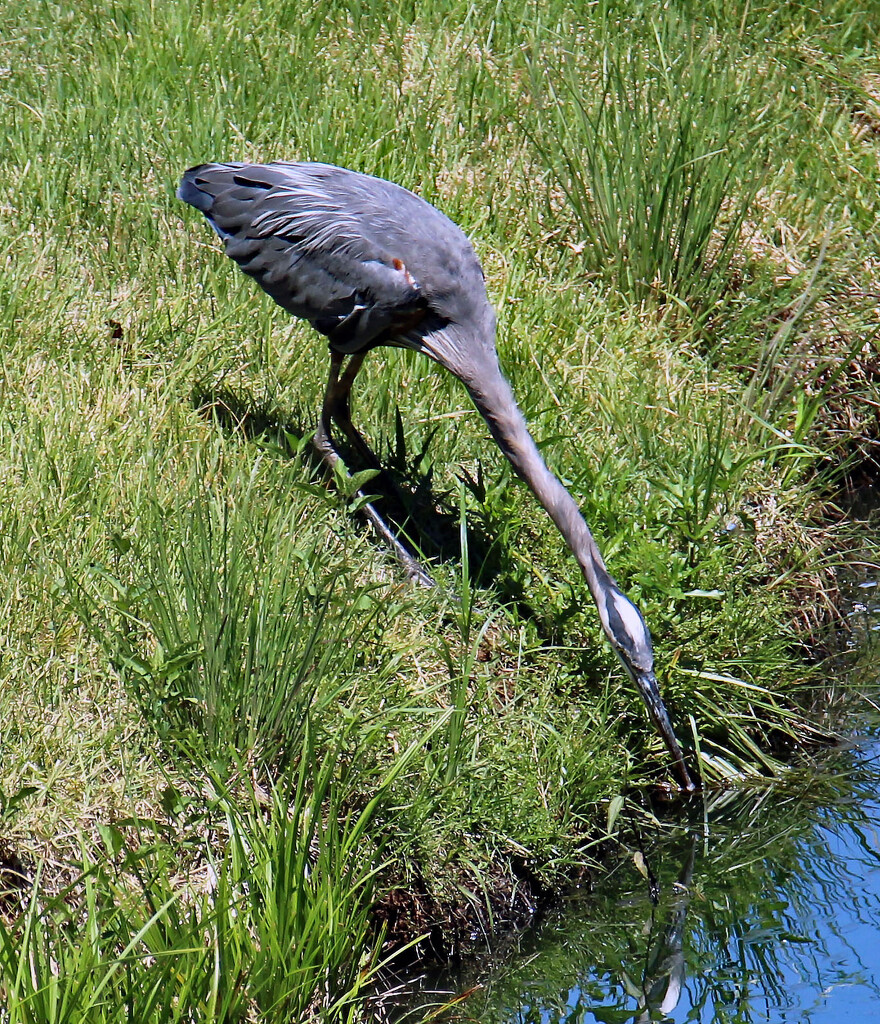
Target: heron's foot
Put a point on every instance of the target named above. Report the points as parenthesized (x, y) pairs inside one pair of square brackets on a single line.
[(414, 570)]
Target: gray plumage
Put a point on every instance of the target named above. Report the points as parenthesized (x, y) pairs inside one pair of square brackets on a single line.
[(368, 263), (356, 256)]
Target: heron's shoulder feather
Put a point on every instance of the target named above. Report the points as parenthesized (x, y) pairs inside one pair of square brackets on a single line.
[(338, 247)]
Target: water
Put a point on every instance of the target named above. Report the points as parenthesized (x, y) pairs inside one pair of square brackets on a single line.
[(763, 907)]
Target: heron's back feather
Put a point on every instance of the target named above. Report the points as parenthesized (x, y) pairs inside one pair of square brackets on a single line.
[(364, 260)]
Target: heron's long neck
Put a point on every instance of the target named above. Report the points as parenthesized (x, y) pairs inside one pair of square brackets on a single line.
[(494, 398)]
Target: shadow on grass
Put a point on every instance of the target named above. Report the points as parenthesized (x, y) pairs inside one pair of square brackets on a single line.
[(427, 520)]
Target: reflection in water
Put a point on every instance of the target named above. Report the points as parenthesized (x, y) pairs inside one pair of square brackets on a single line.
[(769, 911), (665, 967)]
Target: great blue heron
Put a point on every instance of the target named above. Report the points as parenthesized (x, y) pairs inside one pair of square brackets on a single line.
[(369, 263)]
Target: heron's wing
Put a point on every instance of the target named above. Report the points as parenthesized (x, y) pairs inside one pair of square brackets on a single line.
[(309, 235)]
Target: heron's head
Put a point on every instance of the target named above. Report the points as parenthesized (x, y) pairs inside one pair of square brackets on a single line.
[(629, 637), (626, 630)]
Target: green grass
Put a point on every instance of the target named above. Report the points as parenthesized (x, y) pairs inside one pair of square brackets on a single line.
[(659, 141), (277, 923), (228, 726)]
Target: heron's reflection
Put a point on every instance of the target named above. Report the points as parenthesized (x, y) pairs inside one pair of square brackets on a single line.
[(664, 973)]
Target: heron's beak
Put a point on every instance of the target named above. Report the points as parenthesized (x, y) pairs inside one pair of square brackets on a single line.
[(647, 684)]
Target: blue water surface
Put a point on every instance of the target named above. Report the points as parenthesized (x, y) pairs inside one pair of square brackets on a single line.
[(766, 911)]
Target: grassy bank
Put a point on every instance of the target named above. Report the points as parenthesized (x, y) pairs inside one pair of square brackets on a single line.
[(229, 730)]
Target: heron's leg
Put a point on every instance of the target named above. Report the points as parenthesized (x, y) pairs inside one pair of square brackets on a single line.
[(341, 412), (339, 388), (336, 409), (323, 435)]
